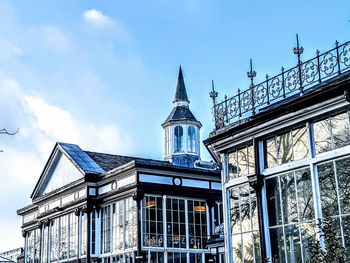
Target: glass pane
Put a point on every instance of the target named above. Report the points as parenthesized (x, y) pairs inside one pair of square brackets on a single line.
[(234, 211), (340, 130), (328, 191), (242, 162), (248, 249), (256, 239), (284, 148), (346, 229), (277, 245), (237, 248), (271, 152), (343, 173), (273, 201), (289, 202), (251, 161), (245, 208), (308, 232), (293, 243), (232, 165), (305, 200), (322, 136), (300, 143)]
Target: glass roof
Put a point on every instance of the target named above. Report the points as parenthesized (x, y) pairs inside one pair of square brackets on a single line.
[(81, 158)]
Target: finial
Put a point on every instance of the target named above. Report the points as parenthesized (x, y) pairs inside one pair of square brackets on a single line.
[(298, 50), (213, 94), (252, 73)]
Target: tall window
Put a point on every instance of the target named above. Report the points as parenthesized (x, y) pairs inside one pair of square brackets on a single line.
[(178, 139), (45, 243), (130, 223), (176, 223), (191, 139), (244, 224), (167, 140), (197, 223), (54, 239), (63, 238), (334, 181), (83, 248), (106, 229), (153, 221), (291, 214), (73, 235), (241, 162)]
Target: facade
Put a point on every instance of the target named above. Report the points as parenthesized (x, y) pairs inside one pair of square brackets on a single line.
[(97, 207), (284, 145)]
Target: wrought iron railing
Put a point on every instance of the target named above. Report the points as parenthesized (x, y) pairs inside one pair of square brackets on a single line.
[(295, 80)]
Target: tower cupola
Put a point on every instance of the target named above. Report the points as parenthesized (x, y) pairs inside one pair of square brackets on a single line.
[(182, 130)]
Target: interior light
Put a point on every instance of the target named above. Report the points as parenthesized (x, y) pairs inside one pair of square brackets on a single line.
[(199, 208), (150, 204)]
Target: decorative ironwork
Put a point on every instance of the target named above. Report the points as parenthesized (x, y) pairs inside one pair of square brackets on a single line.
[(287, 83)]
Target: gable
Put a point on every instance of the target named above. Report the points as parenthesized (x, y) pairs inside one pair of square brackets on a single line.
[(60, 173)]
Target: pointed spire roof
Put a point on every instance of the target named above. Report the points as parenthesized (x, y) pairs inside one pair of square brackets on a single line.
[(180, 94)]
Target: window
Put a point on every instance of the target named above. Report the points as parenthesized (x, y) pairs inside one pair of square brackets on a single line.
[(332, 133), (191, 139), (63, 238), (106, 229), (54, 239), (291, 215), (45, 243), (83, 249), (334, 182), (178, 139), (176, 223), (244, 224), (167, 141), (177, 257), (197, 224), (287, 147), (241, 162), (130, 223), (153, 221), (73, 235)]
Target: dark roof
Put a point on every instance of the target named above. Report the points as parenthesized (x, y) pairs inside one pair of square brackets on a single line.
[(109, 161), (180, 113), (180, 94)]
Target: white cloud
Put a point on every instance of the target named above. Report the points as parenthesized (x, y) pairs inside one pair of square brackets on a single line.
[(97, 18), (53, 37)]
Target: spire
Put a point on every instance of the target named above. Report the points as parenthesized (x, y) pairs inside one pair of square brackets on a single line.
[(180, 94)]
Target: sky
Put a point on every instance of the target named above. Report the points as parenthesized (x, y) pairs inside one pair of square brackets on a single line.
[(102, 73)]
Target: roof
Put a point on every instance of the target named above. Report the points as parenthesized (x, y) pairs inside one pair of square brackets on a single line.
[(180, 113), (180, 93)]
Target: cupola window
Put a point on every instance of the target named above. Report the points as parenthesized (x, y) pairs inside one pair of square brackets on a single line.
[(191, 139), (178, 139)]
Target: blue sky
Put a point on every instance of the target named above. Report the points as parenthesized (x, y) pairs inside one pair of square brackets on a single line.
[(102, 74)]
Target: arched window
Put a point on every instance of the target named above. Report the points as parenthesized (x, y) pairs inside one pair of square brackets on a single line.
[(178, 139), (191, 139), (167, 140)]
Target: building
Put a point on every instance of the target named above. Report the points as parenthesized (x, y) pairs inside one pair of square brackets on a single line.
[(11, 255), (97, 207), (284, 145)]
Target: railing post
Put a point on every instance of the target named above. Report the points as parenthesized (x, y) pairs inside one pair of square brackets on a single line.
[(252, 74), (267, 90), (226, 110), (239, 103), (338, 58), (298, 51), (213, 94), (318, 66), (283, 86)]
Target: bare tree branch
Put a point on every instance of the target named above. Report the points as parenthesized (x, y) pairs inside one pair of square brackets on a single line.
[(4, 131)]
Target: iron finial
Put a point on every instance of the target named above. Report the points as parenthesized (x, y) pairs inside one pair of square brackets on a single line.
[(213, 94), (298, 50), (252, 73)]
